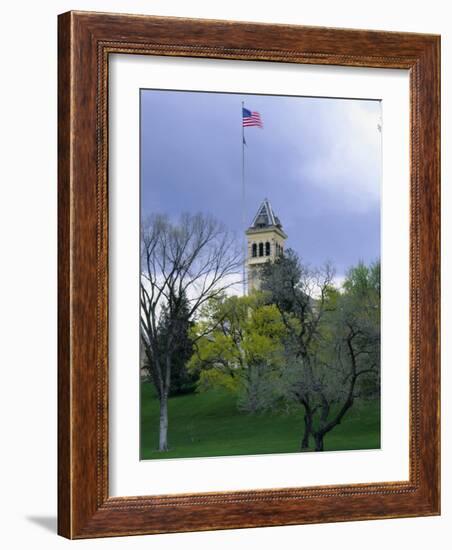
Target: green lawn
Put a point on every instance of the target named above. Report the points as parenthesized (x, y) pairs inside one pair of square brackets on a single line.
[(208, 424)]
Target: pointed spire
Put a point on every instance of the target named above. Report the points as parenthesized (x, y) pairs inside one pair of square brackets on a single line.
[(265, 216)]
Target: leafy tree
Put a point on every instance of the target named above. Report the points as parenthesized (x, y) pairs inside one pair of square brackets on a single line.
[(240, 348)]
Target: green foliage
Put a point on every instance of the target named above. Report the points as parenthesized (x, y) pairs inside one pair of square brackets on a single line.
[(239, 346), (363, 279), (361, 308), (174, 333), (212, 379)]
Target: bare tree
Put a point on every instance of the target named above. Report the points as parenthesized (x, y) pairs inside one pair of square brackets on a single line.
[(182, 266)]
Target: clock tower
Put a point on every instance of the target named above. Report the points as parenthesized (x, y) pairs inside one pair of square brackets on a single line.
[(265, 242)]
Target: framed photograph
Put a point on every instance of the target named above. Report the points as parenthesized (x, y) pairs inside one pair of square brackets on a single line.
[(248, 275)]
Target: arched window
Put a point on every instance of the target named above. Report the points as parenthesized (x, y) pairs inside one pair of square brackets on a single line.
[(254, 250), (261, 249), (267, 248)]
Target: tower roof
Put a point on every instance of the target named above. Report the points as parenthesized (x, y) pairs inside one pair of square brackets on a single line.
[(265, 217)]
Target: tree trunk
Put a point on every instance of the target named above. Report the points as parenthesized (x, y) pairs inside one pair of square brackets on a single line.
[(307, 430), (318, 441), (163, 432)]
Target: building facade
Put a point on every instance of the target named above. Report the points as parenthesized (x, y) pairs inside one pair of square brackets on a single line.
[(265, 242)]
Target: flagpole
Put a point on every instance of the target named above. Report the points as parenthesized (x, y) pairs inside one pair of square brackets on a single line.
[(243, 202)]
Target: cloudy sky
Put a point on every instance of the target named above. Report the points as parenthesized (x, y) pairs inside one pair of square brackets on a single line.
[(318, 161)]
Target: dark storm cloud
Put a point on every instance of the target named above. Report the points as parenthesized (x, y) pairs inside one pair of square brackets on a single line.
[(317, 160)]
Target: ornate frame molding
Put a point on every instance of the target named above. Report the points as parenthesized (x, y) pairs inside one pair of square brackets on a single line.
[(85, 42)]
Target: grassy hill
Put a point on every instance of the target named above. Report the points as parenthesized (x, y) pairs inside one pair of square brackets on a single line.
[(209, 424)]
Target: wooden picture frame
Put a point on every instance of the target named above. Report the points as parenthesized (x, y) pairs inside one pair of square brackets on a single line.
[(85, 42)]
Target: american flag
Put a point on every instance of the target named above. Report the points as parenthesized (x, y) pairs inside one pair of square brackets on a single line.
[(251, 118)]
